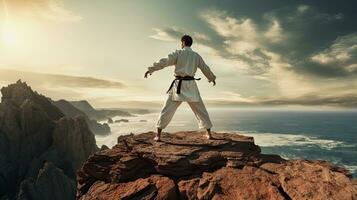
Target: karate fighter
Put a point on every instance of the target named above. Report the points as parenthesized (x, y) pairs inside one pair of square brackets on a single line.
[(183, 87)]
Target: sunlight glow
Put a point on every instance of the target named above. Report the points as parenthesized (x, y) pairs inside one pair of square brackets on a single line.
[(9, 36)]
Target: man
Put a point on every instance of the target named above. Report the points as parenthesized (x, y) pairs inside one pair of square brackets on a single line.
[(184, 87)]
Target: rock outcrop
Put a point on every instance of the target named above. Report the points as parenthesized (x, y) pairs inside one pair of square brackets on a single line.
[(40, 148), (110, 121), (71, 111), (121, 120), (188, 166), (94, 114)]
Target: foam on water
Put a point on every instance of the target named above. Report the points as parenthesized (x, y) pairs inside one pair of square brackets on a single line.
[(351, 168), (278, 139), (133, 126)]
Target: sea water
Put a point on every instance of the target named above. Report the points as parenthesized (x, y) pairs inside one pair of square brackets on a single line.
[(293, 134)]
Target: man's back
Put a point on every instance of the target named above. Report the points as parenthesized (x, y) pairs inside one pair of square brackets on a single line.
[(187, 62)]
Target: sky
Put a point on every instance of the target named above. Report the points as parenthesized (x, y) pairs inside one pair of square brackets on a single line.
[(264, 53)]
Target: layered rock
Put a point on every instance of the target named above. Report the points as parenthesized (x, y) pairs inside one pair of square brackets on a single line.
[(187, 166), (71, 111), (40, 148)]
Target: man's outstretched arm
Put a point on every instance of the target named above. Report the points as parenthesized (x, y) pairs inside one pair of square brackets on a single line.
[(171, 59), (206, 71)]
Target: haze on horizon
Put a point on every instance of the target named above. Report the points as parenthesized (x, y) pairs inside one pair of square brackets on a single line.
[(280, 53)]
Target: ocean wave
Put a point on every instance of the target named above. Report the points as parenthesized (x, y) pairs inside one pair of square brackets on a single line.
[(278, 139), (351, 168)]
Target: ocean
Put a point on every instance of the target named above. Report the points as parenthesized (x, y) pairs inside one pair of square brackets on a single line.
[(315, 135)]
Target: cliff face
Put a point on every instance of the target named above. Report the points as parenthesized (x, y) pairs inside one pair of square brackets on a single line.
[(71, 111), (40, 149), (187, 166)]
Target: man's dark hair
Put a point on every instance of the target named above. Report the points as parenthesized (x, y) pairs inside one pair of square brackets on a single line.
[(187, 39)]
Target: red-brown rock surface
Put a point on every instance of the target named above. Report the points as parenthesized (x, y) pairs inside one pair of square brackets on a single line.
[(187, 166)]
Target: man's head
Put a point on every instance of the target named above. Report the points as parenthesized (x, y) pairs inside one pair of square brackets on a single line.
[(186, 41)]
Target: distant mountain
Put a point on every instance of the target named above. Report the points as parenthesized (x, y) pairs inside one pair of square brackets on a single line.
[(134, 111), (40, 147), (71, 111), (68, 109), (99, 115)]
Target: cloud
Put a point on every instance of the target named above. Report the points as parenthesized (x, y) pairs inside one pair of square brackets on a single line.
[(284, 48), (234, 97), (227, 99), (57, 80), (166, 34), (119, 103), (279, 40), (240, 40), (346, 100), (251, 43), (308, 12), (245, 40), (281, 33), (53, 10), (173, 34), (340, 58), (303, 8), (230, 27)]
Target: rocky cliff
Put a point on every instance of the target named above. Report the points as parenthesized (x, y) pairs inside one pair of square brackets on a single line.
[(40, 148), (71, 111), (187, 166)]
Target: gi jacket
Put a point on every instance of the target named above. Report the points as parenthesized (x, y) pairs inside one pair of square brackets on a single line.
[(186, 62)]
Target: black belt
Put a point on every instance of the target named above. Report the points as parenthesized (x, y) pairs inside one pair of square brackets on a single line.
[(180, 79)]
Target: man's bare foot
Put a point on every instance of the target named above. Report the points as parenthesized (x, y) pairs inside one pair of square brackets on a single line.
[(158, 135), (208, 134), (157, 139)]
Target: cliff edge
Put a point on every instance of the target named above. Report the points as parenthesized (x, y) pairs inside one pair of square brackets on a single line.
[(188, 166)]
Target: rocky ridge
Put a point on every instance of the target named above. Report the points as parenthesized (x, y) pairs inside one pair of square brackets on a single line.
[(71, 111), (187, 166), (98, 114), (40, 148)]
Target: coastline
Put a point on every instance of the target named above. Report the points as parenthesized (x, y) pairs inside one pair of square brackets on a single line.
[(290, 145)]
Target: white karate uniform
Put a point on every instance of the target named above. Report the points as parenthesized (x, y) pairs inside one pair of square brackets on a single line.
[(186, 62)]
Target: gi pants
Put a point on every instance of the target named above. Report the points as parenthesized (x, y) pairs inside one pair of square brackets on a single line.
[(171, 106)]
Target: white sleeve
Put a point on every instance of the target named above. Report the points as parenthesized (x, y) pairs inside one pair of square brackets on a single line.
[(171, 59), (205, 69)]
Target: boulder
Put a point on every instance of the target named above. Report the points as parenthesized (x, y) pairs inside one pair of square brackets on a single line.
[(153, 187), (110, 121)]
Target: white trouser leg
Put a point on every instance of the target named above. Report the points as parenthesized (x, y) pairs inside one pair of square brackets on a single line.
[(201, 114), (167, 112)]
